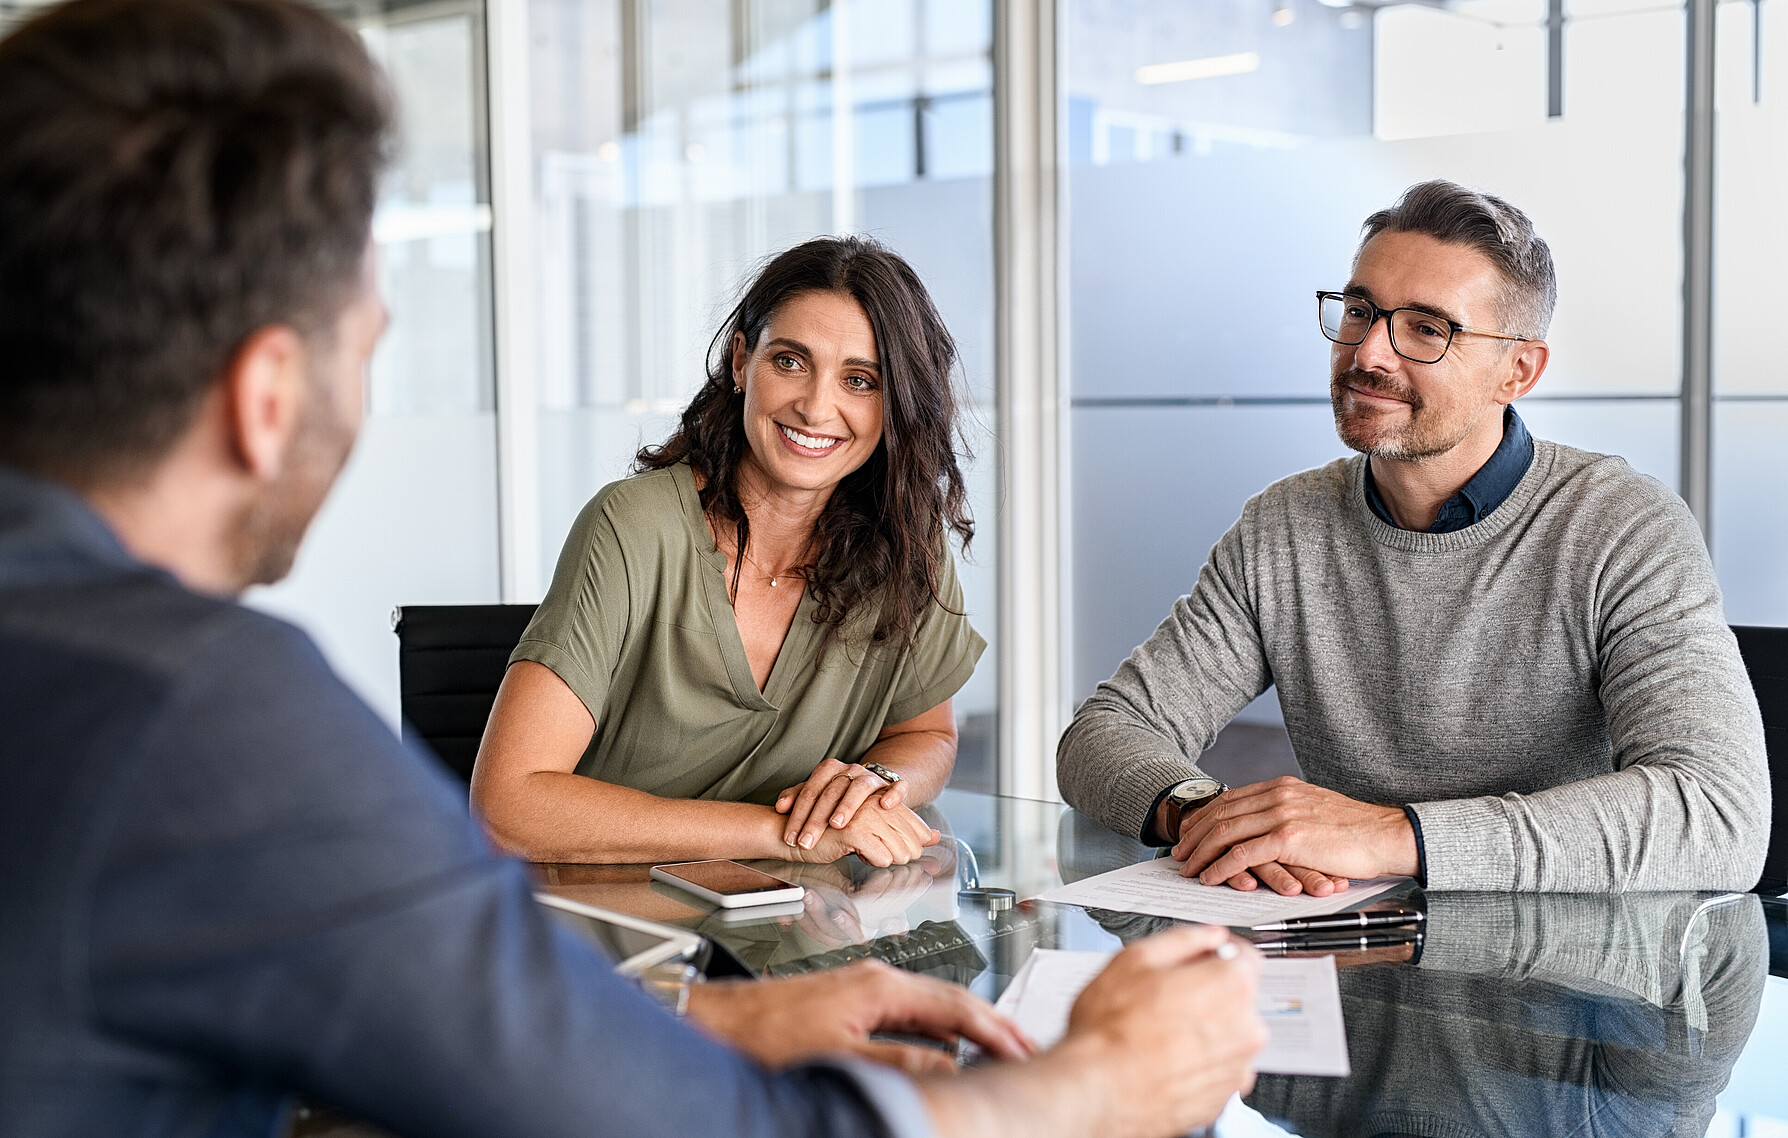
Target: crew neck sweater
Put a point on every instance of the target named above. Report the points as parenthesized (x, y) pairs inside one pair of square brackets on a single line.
[(1553, 690)]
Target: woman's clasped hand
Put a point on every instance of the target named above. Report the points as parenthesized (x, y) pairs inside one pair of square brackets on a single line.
[(831, 796), (880, 833)]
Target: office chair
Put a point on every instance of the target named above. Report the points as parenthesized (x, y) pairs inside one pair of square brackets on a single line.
[(1765, 651), (450, 661), (1775, 919)]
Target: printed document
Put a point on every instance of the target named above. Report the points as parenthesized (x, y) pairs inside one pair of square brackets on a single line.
[(1156, 888), (1299, 1002)]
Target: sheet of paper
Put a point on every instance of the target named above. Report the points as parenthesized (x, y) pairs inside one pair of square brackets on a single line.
[(1048, 984), (1007, 1004), (1156, 887), (1299, 1001)]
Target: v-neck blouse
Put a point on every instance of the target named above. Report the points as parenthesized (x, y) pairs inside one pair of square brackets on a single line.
[(638, 623)]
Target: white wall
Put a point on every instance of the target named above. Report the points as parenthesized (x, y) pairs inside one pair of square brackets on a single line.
[(412, 521)]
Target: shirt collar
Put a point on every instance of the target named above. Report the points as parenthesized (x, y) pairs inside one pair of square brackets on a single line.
[(1489, 488), (48, 533)]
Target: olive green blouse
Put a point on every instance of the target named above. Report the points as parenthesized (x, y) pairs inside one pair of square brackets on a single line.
[(639, 624)]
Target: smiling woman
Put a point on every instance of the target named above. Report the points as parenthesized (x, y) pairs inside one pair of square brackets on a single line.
[(762, 630)]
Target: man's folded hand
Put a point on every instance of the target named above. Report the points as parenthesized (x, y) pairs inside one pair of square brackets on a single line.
[(1291, 835)]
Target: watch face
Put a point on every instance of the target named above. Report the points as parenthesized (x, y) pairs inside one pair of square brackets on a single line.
[(1197, 789)]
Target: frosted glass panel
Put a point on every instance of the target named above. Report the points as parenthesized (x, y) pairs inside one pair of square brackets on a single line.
[(1154, 489), (1645, 432), (1223, 156), (1206, 210), (1751, 243), (413, 521), (433, 222), (1750, 520)]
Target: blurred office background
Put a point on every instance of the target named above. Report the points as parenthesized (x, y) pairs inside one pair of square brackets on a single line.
[(1122, 207)]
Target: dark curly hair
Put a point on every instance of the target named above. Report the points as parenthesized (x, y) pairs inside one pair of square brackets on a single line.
[(882, 535)]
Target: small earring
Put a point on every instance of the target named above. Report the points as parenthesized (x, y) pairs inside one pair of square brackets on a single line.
[(737, 390)]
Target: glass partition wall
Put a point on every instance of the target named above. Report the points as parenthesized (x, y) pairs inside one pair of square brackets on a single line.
[(676, 146), (1750, 412)]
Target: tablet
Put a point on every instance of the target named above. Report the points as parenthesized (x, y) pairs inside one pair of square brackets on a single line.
[(634, 944)]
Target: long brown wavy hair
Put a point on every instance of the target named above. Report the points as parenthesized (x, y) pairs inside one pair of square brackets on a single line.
[(882, 535)]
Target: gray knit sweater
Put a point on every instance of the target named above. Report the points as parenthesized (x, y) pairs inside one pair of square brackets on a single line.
[(1554, 689)]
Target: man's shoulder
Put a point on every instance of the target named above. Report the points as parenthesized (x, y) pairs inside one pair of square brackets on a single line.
[(209, 714), (1603, 493), (144, 621), (1320, 491), (1592, 470), (146, 680)]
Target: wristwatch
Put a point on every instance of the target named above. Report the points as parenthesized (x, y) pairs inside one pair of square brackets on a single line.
[(1187, 796), (1195, 792), (883, 773)]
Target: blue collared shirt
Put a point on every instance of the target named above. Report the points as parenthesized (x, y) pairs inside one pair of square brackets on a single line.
[(1489, 488)]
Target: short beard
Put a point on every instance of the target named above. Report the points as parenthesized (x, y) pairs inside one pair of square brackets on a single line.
[(269, 531), (1412, 444)]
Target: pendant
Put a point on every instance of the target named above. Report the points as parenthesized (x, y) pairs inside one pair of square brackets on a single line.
[(772, 582)]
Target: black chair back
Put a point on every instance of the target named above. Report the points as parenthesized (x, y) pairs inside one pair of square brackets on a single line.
[(1775, 919), (450, 662), (1766, 659)]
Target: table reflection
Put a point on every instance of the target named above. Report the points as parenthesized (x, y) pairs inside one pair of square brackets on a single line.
[(1522, 1013), (1544, 1015)]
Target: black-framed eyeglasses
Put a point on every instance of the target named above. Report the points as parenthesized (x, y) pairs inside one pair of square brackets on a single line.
[(1419, 337)]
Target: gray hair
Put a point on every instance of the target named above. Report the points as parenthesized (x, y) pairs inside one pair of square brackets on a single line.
[(1447, 211)]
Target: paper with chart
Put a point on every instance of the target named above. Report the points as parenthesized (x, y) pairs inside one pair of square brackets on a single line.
[(1156, 888), (1299, 1001)]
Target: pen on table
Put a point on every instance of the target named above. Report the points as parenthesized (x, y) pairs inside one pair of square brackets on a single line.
[(1366, 919), (1339, 943)]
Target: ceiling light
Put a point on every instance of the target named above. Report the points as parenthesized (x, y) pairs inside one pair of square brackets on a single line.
[(1283, 16), (1211, 67)]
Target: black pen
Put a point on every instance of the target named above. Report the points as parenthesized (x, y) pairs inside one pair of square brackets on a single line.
[(1365, 919), (1339, 943)]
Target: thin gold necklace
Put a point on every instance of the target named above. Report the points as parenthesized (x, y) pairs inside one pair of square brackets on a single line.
[(789, 572)]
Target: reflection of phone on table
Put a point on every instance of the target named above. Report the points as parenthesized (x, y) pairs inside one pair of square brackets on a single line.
[(727, 883)]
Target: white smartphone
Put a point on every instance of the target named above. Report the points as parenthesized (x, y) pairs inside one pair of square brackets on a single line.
[(727, 883)]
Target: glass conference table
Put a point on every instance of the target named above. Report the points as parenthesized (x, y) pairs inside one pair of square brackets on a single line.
[(1646, 1014)]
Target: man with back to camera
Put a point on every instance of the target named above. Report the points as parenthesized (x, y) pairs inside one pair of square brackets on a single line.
[(1502, 661), (223, 880)]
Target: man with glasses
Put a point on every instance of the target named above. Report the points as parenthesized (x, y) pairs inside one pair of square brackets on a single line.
[(1502, 661)]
